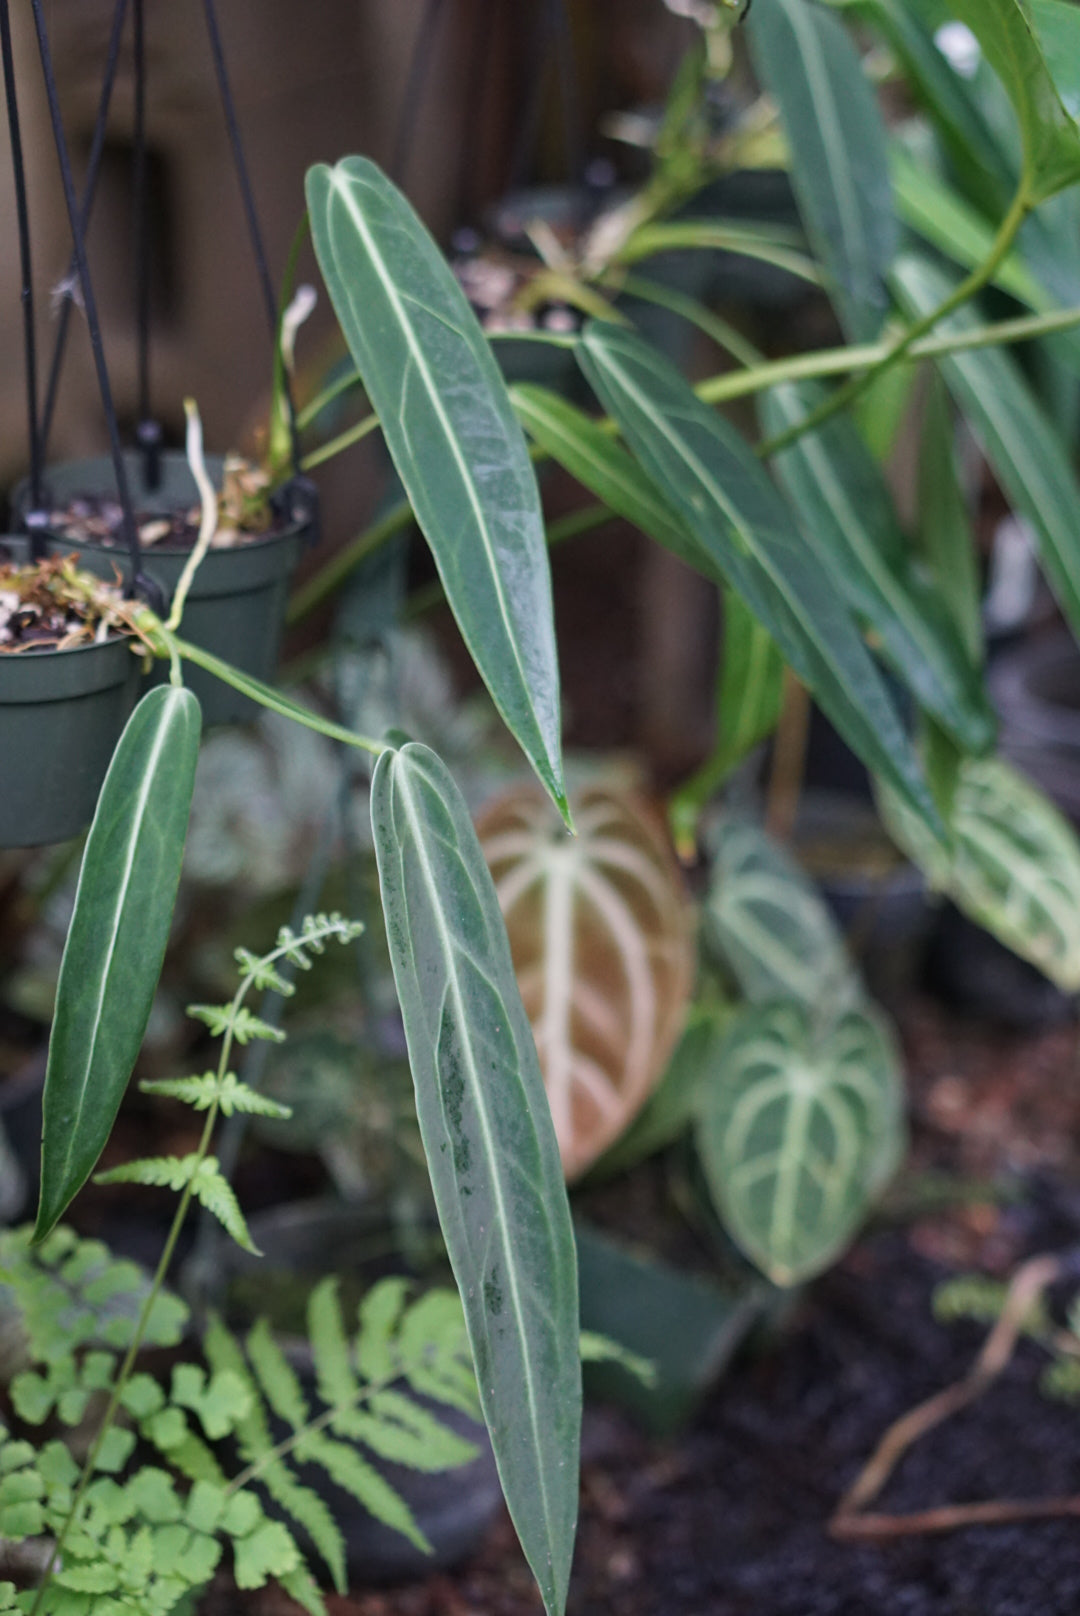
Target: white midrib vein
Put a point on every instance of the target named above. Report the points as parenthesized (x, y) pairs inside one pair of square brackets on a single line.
[(121, 896), (500, 1220), (340, 186)]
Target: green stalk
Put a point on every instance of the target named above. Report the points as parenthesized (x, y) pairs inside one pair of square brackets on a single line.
[(845, 396), (344, 440), (329, 395), (266, 697), (347, 559)]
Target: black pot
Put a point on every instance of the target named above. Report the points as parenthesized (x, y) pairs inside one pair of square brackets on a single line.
[(236, 608), (301, 1243), (61, 714)]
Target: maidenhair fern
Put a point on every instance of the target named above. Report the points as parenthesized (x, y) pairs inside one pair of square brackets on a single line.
[(122, 1537)]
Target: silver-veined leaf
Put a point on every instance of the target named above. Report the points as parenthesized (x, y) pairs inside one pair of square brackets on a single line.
[(771, 925), (458, 450), (1050, 134), (116, 940), (841, 494), (1020, 442), (837, 145), (602, 942), (746, 531), (799, 1131), (1014, 866), (490, 1144)]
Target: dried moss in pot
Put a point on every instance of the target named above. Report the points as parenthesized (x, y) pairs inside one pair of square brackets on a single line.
[(236, 608), (68, 681)]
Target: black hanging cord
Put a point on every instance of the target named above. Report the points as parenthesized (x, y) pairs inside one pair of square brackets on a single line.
[(130, 528), (524, 150), (423, 52), (240, 163), (93, 167), (148, 432), (22, 213)]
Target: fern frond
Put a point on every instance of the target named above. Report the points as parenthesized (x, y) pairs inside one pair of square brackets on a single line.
[(344, 1465), (231, 1095), (213, 1191), (301, 1586), (380, 1314), (214, 1016), (160, 1172), (333, 1371), (404, 1432), (277, 1379), (596, 1348), (221, 1018), (262, 973)]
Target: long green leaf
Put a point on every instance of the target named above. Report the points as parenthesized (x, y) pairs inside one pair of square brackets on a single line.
[(846, 508), (1057, 28), (116, 941), (798, 1133), (583, 448), (771, 925), (490, 1145), (448, 424), (1014, 866), (1020, 442), (750, 686), (1050, 134), (946, 533), (744, 530), (837, 145)]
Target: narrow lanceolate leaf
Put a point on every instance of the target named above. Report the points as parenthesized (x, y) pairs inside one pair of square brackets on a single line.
[(601, 464), (1020, 442), (490, 1144), (837, 145), (771, 925), (1049, 132), (1014, 866), (799, 1131), (846, 508), (601, 938), (457, 447), (116, 941), (1057, 28), (946, 532), (745, 531)]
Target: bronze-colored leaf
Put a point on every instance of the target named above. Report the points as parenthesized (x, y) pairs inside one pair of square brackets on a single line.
[(601, 936)]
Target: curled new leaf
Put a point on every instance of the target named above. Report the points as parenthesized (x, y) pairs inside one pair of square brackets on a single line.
[(798, 1132), (600, 934)]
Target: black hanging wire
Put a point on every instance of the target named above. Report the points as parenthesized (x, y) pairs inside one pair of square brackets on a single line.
[(569, 91), (22, 213), (130, 529), (528, 134), (257, 246), (93, 168), (423, 53), (147, 430)]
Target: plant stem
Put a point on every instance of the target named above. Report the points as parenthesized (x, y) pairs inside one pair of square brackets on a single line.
[(845, 396), (328, 396), (347, 559), (717, 390), (208, 519), (788, 760), (271, 699), (344, 440)]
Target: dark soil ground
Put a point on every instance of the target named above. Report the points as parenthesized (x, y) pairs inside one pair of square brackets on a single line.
[(731, 1518)]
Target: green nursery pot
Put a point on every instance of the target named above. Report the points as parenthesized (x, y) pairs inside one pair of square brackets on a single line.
[(236, 608), (61, 714)]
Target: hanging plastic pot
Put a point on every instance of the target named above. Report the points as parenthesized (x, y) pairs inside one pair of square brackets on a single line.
[(61, 714), (236, 608)]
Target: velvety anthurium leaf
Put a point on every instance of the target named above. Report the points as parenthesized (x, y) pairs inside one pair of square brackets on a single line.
[(799, 1131), (116, 941), (601, 937), (458, 449), (490, 1144), (1014, 865)]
